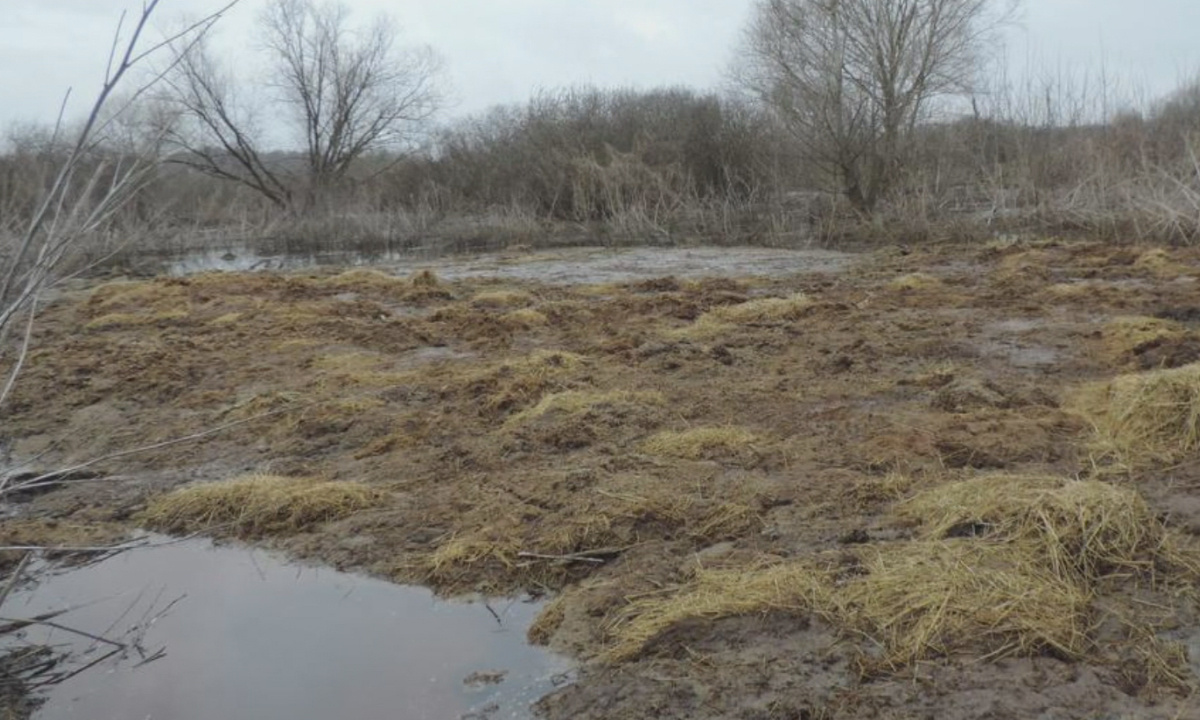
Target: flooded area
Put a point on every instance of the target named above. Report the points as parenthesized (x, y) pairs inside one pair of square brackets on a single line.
[(568, 267), (755, 484), (246, 635)]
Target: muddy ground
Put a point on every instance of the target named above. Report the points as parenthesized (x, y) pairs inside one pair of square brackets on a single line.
[(602, 443)]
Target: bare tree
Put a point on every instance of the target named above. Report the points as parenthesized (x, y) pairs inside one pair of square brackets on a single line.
[(852, 78), (83, 194), (348, 93)]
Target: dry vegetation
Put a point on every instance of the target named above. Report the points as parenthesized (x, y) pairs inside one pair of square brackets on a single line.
[(934, 458)]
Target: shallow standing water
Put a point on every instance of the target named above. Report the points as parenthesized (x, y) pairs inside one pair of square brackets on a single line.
[(253, 637), (573, 266)]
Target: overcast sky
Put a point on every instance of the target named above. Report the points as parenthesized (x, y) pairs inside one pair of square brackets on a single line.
[(503, 50)]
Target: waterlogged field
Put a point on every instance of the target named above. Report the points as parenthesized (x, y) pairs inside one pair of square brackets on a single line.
[(952, 482)]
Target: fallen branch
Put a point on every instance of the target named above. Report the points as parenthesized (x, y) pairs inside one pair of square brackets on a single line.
[(595, 557)]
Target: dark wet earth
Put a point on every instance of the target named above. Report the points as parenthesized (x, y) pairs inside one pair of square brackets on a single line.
[(248, 636)]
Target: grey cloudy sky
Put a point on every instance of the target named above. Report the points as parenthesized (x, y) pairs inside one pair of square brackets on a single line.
[(503, 50)]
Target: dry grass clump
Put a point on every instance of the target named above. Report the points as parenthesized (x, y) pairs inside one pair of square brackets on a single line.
[(764, 311), (1158, 262), (1141, 418), (524, 319), (927, 599), (914, 282), (1007, 565), (120, 320), (348, 362), (501, 299), (620, 512), (1123, 335), (706, 443), (1083, 530), (227, 319), (362, 278), (915, 600), (1024, 266), (257, 505), (516, 383), (126, 295), (576, 402), (716, 594), (424, 279), (1072, 290)]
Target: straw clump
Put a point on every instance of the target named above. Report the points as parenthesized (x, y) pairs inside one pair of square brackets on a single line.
[(1124, 335), (763, 311), (254, 506), (914, 282), (1159, 263), (716, 594), (1082, 530), (578, 402), (502, 299), (119, 320), (1144, 418), (706, 443)]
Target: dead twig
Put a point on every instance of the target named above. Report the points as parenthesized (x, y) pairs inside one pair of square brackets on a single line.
[(595, 557), (15, 578)]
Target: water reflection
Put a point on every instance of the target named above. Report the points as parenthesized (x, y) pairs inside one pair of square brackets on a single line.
[(253, 637)]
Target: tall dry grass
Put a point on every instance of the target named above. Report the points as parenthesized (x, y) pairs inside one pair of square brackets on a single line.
[(1050, 155)]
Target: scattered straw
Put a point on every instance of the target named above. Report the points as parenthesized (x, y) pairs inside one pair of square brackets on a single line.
[(257, 506)]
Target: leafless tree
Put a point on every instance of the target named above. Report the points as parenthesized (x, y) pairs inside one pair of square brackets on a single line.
[(348, 92), (83, 194), (852, 78)]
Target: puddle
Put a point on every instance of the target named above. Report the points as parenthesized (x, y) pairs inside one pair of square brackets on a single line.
[(253, 637), (581, 266)]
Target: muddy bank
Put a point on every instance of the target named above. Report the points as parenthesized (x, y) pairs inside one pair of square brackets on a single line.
[(634, 446)]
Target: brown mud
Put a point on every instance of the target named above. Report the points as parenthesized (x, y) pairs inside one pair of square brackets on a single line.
[(620, 446)]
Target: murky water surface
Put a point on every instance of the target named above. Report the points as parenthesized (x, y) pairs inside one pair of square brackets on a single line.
[(253, 637), (578, 266)]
